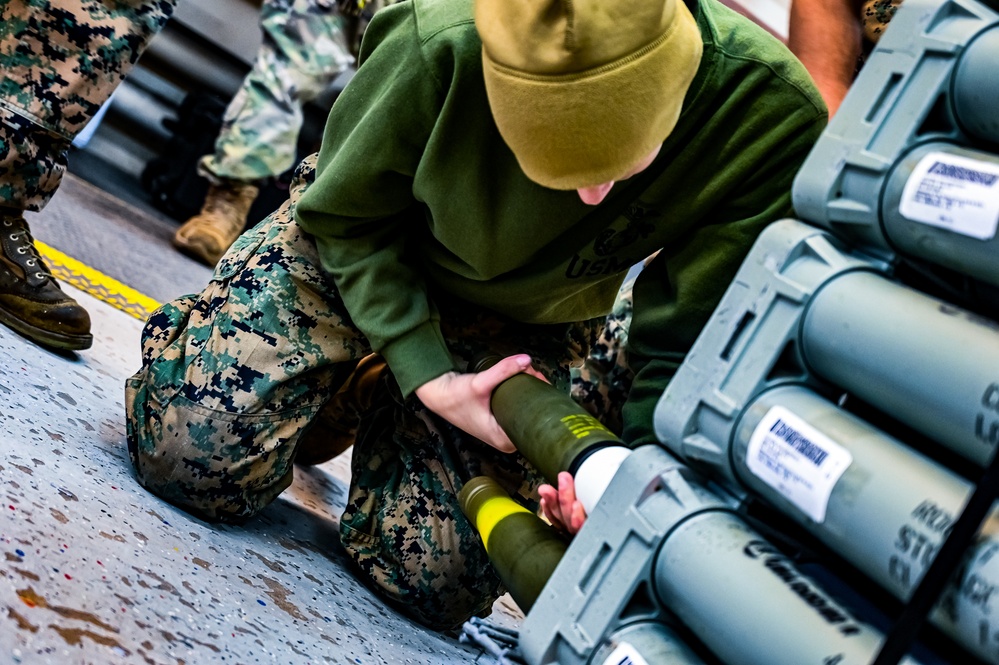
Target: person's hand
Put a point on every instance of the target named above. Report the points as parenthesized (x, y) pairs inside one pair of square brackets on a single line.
[(560, 505), (463, 399)]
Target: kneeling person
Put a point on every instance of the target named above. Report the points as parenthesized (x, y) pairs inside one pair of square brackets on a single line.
[(485, 182)]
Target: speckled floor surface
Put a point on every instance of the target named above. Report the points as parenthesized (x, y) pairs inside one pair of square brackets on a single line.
[(95, 570)]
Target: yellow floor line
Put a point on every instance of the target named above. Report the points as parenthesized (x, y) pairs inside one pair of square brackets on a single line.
[(120, 296)]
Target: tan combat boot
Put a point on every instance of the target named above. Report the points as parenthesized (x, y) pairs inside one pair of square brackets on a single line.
[(208, 235), (335, 426)]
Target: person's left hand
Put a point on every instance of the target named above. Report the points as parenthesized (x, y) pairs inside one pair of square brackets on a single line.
[(560, 505)]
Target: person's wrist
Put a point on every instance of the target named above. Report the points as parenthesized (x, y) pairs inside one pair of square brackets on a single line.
[(425, 389)]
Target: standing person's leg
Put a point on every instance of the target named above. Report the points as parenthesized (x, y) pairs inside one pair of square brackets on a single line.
[(304, 49), (403, 525), (231, 377), (60, 59)]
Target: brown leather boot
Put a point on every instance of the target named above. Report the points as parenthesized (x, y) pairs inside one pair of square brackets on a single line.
[(208, 235), (335, 426), (31, 301)]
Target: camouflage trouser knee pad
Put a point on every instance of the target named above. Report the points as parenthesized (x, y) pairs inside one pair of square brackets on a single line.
[(217, 465)]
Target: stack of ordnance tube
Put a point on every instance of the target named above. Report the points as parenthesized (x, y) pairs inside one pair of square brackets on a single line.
[(705, 545)]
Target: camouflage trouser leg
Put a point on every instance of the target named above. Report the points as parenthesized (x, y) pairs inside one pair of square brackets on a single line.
[(231, 377), (602, 383), (402, 524), (875, 16), (304, 49), (60, 59)]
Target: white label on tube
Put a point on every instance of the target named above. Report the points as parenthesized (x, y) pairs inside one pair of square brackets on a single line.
[(797, 460), (625, 654), (954, 193)]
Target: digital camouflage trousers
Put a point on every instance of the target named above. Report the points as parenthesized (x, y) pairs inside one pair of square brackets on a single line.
[(875, 17), (60, 59), (306, 45), (601, 385), (232, 377)]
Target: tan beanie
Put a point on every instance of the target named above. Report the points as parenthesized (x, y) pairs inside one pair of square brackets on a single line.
[(583, 90)]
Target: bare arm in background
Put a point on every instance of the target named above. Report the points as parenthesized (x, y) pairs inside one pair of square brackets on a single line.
[(826, 36)]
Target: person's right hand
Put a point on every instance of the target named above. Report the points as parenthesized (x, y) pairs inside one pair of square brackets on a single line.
[(463, 399)]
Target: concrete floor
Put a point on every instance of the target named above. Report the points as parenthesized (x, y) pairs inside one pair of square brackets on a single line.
[(129, 242), (95, 570)]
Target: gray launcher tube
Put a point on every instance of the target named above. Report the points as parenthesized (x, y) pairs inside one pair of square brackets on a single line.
[(929, 364), (941, 203), (876, 502), (976, 89), (749, 604)]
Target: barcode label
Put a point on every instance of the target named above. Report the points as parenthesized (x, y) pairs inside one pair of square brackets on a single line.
[(794, 439), (956, 193), (963, 173), (797, 460), (625, 654)]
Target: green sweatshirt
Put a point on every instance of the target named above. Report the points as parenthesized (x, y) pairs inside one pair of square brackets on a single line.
[(416, 193)]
